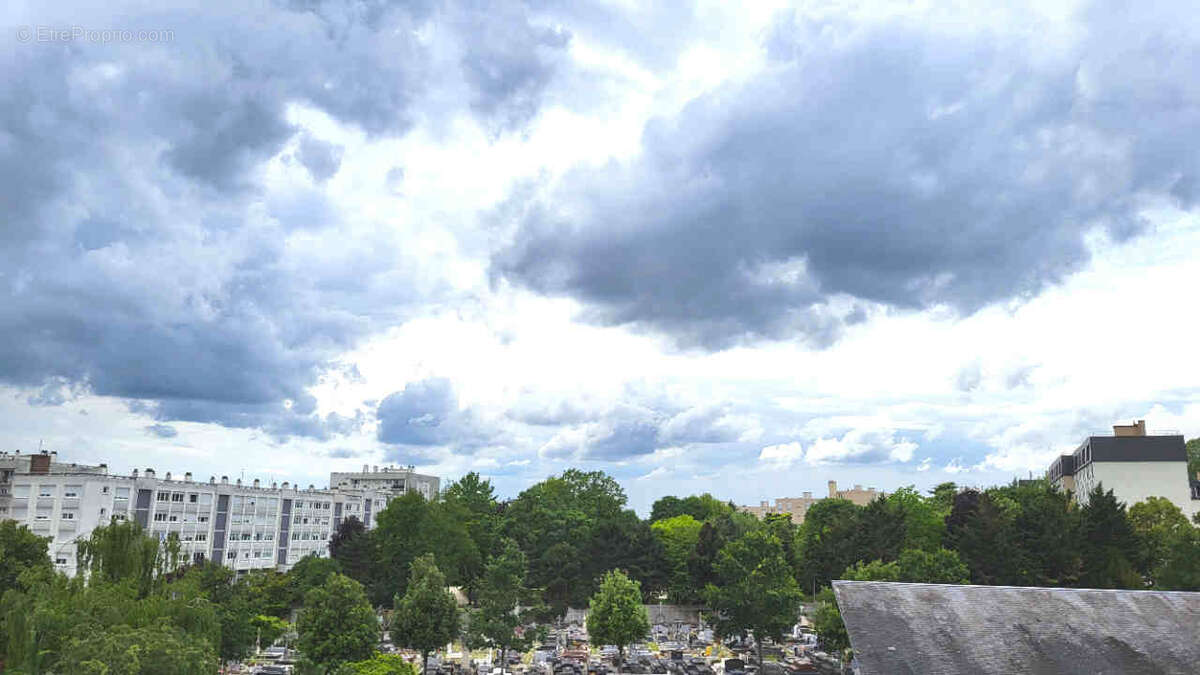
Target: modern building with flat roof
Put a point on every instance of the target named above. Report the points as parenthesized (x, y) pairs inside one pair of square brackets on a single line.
[(1132, 463), (797, 507), (245, 526), (391, 480)]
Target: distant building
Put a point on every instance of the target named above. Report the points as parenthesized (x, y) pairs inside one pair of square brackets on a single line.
[(1132, 463), (797, 507), (390, 480), (243, 526)]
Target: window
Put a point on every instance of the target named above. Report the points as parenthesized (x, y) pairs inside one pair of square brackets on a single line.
[(177, 496), (42, 515), (104, 490), (47, 490), (122, 493), (202, 536), (119, 516), (206, 498), (68, 515), (60, 561), (231, 555), (164, 496), (202, 519), (193, 497), (20, 491), (160, 517), (173, 518)]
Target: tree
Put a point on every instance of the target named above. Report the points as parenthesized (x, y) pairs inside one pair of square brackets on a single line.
[(827, 622), (616, 615), (757, 592), (1110, 547), (308, 573), (702, 558), (678, 536), (980, 528), (827, 541), (410, 526), (502, 591), (20, 549), (148, 650), (1193, 457), (701, 507), (336, 625), (1169, 544), (936, 567), (426, 617), (121, 551), (351, 546), (380, 664), (625, 542)]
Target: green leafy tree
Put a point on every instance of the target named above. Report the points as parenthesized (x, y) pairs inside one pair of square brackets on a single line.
[(942, 495), (757, 592), (352, 547), (20, 549), (147, 650), (827, 541), (473, 499), (980, 528), (679, 536), (624, 541), (337, 625), (1159, 526), (311, 571), (616, 615), (380, 664), (410, 527), (1110, 547), (828, 624), (426, 617), (932, 567), (1193, 457), (703, 557), (122, 551), (701, 507), (497, 621)]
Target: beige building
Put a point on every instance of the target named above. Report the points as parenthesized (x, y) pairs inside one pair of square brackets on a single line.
[(797, 507)]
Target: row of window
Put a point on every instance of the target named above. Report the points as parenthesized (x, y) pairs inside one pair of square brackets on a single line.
[(162, 517), (48, 491)]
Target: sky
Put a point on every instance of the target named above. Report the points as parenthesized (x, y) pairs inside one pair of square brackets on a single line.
[(702, 246)]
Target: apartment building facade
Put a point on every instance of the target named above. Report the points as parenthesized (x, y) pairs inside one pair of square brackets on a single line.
[(245, 526), (390, 480), (1133, 464), (797, 507)]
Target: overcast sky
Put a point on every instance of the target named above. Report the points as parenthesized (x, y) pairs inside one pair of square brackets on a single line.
[(702, 247)]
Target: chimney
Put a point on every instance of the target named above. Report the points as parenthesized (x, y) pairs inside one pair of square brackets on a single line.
[(224, 480), (376, 468), (168, 475), (255, 482), (285, 485), (149, 472), (239, 482), (366, 468), (135, 473), (212, 480), (1138, 428), (187, 477), (832, 489), (274, 485), (310, 487)]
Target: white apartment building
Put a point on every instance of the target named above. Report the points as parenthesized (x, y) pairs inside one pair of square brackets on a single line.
[(244, 526), (1133, 464), (390, 480)]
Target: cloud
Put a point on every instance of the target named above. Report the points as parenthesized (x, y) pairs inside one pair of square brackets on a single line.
[(782, 455), (631, 430), (861, 447), (321, 158), (144, 253), (427, 413), (875, 162), (162, 430)]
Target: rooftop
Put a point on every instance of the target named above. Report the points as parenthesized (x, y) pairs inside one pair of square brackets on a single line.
[(930, 629)]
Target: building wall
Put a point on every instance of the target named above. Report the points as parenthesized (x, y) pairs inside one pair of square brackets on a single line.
[(1133, 482), (797, 507), (245, 527)]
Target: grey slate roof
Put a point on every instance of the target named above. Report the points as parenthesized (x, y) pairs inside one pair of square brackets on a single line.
[(930, 629)]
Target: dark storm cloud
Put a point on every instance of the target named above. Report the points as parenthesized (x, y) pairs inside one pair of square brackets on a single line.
[(136, 258), (427, 413), (893, 163)]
